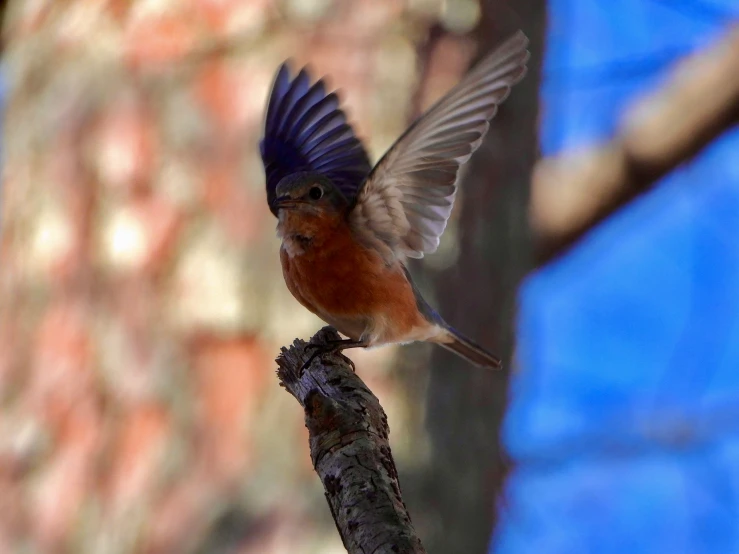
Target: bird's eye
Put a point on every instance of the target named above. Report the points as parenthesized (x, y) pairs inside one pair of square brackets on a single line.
[(315, 193)]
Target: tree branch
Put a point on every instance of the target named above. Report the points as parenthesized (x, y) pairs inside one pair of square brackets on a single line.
[(350, 450), (573, 193)]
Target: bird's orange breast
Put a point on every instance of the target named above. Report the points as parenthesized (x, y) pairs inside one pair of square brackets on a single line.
[(347, 285)]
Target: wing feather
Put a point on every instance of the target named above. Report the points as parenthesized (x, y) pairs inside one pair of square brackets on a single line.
[(408, 197), (306, 130)]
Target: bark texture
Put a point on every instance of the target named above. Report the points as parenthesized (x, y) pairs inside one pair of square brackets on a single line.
[(350, 450)]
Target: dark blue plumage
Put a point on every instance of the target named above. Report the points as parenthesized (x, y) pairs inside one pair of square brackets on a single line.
[(305, 130)]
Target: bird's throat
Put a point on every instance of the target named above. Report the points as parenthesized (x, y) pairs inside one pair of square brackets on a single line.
[(301, 233)]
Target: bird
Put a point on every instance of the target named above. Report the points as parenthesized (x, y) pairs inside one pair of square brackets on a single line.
[(347, 228)]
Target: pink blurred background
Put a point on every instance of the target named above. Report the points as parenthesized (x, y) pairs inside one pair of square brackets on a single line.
[(141, 300)]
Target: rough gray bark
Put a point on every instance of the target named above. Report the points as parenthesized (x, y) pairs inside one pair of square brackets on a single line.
[(350, 450)]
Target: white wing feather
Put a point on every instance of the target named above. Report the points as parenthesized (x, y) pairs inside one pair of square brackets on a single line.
[(405, 202)]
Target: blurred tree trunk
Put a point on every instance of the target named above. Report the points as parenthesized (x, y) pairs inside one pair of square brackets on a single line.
[(477, 294)]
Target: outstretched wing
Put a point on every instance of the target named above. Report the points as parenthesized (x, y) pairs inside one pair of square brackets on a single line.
[(407, 199), (305, 130)]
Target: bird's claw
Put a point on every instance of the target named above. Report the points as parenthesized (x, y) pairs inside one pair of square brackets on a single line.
[(350, 362), (312, 357), (321, 349)]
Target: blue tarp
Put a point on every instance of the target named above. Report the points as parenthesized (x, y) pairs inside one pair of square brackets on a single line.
[(624, 421)]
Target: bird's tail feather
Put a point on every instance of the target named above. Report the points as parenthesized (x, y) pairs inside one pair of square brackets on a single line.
[(473, 353)]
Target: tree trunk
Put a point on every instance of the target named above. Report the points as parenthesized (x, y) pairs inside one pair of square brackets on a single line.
[(477, 295)]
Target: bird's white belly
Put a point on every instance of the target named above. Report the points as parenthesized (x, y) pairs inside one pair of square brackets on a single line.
[(378, 329)]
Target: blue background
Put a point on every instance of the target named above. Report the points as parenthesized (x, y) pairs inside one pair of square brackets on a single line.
[(624, 419)]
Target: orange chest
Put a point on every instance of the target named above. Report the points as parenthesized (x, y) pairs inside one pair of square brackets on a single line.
[(340, 277)]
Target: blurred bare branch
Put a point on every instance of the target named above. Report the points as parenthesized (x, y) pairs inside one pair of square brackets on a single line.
[(574, 192), (350, 450)]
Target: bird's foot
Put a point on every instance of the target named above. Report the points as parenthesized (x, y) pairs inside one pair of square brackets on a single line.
[(350, 362), (319, 349), (330, 346)]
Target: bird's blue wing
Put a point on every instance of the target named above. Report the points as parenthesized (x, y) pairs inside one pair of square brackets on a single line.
[(306, 130)]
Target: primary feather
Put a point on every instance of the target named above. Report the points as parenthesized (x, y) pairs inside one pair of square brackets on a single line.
[(406, 201), (306, 131)]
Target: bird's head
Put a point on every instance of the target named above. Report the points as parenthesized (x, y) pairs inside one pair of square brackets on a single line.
[(309, 194)]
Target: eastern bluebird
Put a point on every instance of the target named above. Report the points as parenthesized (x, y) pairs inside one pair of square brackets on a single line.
[(347, 228)]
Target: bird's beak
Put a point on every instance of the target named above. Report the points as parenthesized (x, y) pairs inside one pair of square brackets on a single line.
[(286, 202)]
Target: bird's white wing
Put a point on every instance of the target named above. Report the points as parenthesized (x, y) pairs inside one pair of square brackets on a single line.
[(407, 198)]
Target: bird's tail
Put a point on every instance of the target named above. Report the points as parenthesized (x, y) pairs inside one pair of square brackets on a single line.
[(459, 344)]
